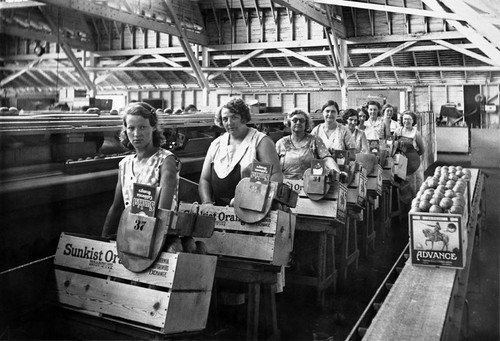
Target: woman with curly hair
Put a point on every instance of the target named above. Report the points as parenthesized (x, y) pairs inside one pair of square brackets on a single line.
[(150, 164), (298, 149), (230, 156)]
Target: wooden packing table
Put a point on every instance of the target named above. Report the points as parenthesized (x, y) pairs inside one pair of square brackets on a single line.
[(426, 303), (368, 226)]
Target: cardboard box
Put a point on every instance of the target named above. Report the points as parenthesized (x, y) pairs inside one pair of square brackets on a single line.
[(374, 181), (438, 240), (357, 190), (332, 207), (268, 241), (172, 296)]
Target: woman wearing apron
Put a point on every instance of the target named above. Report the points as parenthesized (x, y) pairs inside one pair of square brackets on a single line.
[(150, 164), (410, 144), (298, 149), (230, 156)]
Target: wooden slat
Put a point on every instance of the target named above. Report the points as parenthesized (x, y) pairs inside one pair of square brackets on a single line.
[(135, 303), (226, 219), (171, 270)]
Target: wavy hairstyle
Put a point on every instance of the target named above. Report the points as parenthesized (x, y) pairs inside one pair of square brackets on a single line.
[(146, 111), (330, 103), (350, 113), (412, 114), (235, 105), (298, 111)]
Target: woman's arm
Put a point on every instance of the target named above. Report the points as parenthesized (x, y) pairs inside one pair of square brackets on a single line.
[(168, 183), (266, 152), (322, 153), (420, 144), (112, 220), (204, 186)]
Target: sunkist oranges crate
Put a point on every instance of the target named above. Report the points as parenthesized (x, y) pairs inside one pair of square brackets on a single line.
[(269, 241), (438, 219), (332, 207), (171, 297)]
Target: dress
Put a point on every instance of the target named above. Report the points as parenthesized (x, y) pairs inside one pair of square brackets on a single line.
[(374, 130), (230, 165), (359, 139), (295, 161), (340, 139), (408, 146), (149, 174)]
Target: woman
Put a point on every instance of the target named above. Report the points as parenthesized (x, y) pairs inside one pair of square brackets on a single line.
[(298, 149), (230, 156), (389, 124), (351, 117), (334, 135), (410, 144), (374, 124), (149, 165), (362, 116)]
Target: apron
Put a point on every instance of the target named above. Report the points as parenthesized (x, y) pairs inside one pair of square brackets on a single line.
[(223, 189)]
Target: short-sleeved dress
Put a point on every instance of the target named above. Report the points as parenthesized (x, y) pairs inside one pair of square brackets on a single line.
[(149, 174), (295, 161), (230, 165), (360, 141), (340, 139)]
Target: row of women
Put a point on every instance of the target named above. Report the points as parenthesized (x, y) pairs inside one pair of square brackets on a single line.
[(230, 156)]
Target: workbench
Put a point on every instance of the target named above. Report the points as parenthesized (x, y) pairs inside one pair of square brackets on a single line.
[(427, 303)]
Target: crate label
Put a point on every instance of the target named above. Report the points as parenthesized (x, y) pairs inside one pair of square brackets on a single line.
[(437, 240)]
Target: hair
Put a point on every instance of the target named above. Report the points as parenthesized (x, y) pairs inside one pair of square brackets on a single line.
[(376, 104), (387, 106), (168, 111), (235, 105), (363, 111), (298, 111), (412, 114), (330, 103), (146, 111), (350, 113)]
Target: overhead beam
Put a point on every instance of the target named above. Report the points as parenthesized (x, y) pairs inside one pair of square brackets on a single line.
[(129, 61), (465, 52), (32, 34), (19, 4), (393, 9), (94, 9), (69, 53), (19, 73), (237, 62)]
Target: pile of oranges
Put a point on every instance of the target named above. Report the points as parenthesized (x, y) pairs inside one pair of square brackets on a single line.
[(443, 192)]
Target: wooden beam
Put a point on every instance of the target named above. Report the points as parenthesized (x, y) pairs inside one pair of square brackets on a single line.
[(237, 62), (307, 8), (19, 4), (106, 12), (129, 61), (466, 52), (19, 73), (394, 9)]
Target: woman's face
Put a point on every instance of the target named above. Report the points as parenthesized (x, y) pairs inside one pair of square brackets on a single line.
[(232, 122), (388, 113), (352, 122), (139, 131), (362, 117), (407, 121), (373, 111), (330, 114), (298, 123)]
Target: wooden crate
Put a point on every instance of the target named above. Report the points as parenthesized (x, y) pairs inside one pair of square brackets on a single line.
[(445, 247), (173, 296), (357, 190), (387, 170), (332, 207), (268, 241), (374, 183)]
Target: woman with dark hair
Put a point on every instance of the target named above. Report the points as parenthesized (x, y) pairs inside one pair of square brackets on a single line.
[(410, 143), (149, 165), (334, 135), (351, 117), (374, 124), (230, 156), (362, 116), (298, 149), (389, 123)]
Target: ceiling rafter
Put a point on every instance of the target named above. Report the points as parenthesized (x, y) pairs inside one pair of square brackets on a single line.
[(465, 52), (19, 73), (106, 12), (238, 62)]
